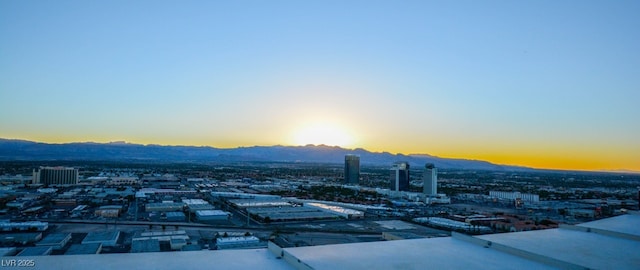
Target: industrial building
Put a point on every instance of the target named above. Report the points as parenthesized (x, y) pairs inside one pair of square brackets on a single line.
[(145, 241), (430, 180), (512, 196), (164, 207), (337, 210), (107, 238), (145, 245), (175, 216), (55, 176), (280, 214), (452, 224), (8, 239), (237, 195), (212, 215), (23, 226), (351, 170), (246, 203), (126, 181), (237, 242), (109, 211), (35, 251), (399, 177), (197, 204), (55, 240)]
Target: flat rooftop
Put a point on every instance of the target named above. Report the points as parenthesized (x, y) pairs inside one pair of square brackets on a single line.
[(54, 239), (35, 251), (84, 249), (432, 253), (591, 250), (101, 236), (628, 224)]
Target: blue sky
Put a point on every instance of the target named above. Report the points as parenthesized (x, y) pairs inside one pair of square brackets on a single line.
[(535, 83)]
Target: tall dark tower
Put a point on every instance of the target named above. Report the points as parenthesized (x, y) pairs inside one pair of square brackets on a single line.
[(352, 169), (399, 177)]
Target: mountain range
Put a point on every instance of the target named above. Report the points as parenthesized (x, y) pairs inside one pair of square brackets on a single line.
[(16, 150)]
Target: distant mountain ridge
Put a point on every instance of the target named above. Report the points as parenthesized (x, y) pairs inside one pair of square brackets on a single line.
[(11, 150)]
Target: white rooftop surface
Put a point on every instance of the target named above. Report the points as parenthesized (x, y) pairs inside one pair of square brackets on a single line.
[(629, 224), (433, 253), (205, 259), (592, 250)]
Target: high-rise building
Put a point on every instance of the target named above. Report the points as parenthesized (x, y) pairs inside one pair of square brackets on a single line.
[(55, 176), (352, 169), (430, 180), (399, 177)]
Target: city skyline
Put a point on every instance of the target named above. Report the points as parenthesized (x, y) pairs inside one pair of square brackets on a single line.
[(537, 84)]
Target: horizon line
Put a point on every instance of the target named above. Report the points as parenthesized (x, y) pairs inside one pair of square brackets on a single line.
[(124, 142)]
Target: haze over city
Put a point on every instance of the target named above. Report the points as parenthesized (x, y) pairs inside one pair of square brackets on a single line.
[(542, 84)]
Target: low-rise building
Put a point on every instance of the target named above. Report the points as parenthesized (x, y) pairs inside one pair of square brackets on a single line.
[(145, 245), (212, 215), (164, 207), (176, 216), (10, 239), (35, 251), (107, 238), (237, 242), (77, 249), (55, 240), (24, 226), (109, 211)]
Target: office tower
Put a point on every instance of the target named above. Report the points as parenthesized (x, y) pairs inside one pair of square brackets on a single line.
[(352, 169), (430, 179), (56, 176), (399, 177)]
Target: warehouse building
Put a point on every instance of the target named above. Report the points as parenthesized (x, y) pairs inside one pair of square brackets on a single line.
[(164, 207), (146, 245), (109, 211), (55, 240), (176, 216), (107, 239), (246, 203), (35, 251), (237, 242), (23, 226), (212, 215), (175, 239), (337, 210), (197, 204), (10, 239), (281, 214)]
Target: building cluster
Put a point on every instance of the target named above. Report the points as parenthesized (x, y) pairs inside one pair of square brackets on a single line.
[(399, 175), (251, 199)]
